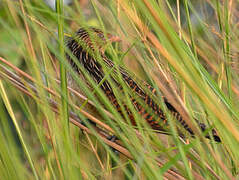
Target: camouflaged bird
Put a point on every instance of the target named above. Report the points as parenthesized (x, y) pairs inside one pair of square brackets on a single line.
[(86, 45)]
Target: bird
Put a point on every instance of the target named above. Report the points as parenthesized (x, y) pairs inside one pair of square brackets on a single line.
[(88, 43)]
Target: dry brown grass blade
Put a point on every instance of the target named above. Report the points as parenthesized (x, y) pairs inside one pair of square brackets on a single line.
[(28, 43)]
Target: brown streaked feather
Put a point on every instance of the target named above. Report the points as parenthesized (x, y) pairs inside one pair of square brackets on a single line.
[(81, 52)]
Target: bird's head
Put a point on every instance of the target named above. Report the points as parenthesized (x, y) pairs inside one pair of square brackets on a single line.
[(94, 38)]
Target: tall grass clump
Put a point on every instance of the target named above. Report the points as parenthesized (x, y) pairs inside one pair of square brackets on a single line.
[(186, 50)]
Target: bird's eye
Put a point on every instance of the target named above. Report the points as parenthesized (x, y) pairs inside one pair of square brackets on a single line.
[(101, 35)]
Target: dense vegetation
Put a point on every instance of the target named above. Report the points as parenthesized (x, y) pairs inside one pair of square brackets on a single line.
[(187, 50)]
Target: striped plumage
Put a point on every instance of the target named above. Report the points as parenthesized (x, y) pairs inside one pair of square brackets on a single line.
[(84, 45)]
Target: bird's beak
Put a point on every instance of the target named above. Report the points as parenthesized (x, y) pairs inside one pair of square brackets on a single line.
[(110, 39), (113, 38)]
